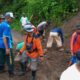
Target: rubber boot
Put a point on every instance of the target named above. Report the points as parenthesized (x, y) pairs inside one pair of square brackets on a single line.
[(2, 69), (23, 69), (33, 75), (11, 73)]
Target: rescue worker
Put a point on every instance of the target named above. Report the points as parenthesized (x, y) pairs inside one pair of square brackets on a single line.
[(75, 44), (34, 51), (57, 35), (73, 71), (24, 20), (41, 28), (6, 43), (18, 47)]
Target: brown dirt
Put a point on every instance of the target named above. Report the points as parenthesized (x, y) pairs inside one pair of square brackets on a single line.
[(55, 61)]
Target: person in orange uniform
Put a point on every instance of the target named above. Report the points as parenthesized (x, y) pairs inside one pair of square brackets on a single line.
[(34, 51), (75, 44)]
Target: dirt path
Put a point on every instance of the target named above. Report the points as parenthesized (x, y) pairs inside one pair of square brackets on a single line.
[(55, 61)]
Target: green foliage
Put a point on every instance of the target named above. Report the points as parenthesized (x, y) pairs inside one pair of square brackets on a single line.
[(16, 25), (55, 10)]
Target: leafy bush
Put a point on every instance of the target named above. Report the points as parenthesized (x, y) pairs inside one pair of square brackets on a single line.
[(39, 10)]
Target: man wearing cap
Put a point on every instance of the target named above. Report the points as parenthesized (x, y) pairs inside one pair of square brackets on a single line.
[(1, 18), (41, 28), (75, 42), (72, 72), (34, 50), (6, 43)]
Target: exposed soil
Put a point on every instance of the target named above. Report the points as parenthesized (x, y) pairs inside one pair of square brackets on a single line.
[(55, 61)]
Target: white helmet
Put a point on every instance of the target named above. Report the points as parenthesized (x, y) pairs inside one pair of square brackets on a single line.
[(28, 28)]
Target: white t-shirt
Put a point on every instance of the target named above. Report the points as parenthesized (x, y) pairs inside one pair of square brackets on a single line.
[(71, 73), (24, 20)]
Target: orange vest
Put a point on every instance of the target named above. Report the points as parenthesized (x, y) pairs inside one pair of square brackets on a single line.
[(75, 43), (36, 44)]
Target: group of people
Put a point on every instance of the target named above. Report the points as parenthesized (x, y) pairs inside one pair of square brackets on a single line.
[(31, 51), (56, 34)]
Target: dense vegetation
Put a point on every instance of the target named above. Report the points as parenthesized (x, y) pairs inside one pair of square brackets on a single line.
[(39, 10)]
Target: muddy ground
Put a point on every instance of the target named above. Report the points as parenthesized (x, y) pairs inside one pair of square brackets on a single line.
[(55, 61)]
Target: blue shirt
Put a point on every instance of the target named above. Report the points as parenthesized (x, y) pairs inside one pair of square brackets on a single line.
[(5, 31), (73, 59), (58, 30)]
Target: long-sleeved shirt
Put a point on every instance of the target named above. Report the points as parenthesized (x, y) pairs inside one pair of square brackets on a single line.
[(36, 45), (75, 43)]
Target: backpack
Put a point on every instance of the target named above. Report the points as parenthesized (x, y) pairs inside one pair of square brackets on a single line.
[(19, 45)]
